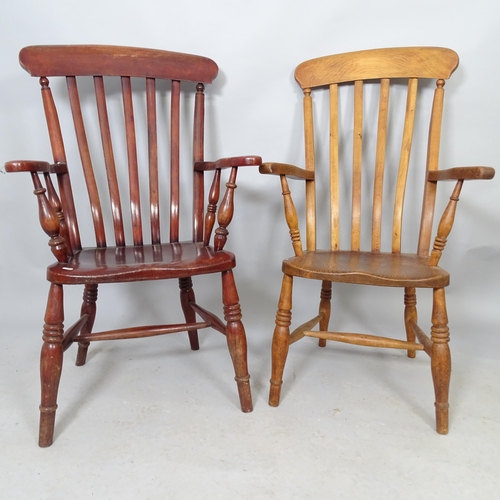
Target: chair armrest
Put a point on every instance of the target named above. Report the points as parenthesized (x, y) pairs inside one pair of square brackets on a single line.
[(233, 161), (458, 174), (35, 166), (226, 207), (285, 169), (50, 211), (461, 173)]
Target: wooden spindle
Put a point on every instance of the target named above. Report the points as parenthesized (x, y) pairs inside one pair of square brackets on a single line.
[(49, 221), (378, 185), (53, 124), (433, 147), (445, 225), (133, 173), (198, 155), (357, 159), (88, 169), (55, 202), (154, 189), (226, 211), (310, 185), (404, 161), (114, 192), (334, 169), (213, 199), (291, 217), (174, 161)]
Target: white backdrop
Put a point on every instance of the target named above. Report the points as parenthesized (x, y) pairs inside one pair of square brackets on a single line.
[(257, 104)]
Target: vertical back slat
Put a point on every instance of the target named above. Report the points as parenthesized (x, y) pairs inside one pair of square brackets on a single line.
[(378, 183), (403, 164), (432, 164), (133, 173), (88, 170), (310, 185), (356, 166), (57, 146), (174, 161), (334, 169), (109, 160), (154, 190), (198, 155)]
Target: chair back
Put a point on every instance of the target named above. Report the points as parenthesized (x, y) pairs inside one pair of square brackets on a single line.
[(134, 113), (374, 110)]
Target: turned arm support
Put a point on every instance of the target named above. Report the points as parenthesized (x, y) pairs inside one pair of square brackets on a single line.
[(49, 205), (459, 174), (226, 208), (285, 170)]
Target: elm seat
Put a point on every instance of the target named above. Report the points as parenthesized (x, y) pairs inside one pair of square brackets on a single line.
[(122, 264), (375, 153), (367, 268), (138, 127)]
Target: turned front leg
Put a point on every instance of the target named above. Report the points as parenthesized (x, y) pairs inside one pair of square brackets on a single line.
[(51, 360), (281, 340), (440, 359), (236, 339)]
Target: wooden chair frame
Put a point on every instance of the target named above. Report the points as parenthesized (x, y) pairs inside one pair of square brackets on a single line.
[(139, 259), (374, 266)]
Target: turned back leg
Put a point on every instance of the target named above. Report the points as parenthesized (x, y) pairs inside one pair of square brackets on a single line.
[(325, 308), (187, 296), (410, 299), (89, 307)]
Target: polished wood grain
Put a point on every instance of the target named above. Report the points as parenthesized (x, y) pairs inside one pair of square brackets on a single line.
[(132, 197), (378, 183), (404, 161), (109, 60), (399, 62), (384, 263)]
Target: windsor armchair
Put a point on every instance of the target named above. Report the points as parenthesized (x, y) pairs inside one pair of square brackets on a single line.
[(148, 80), (366, 79)]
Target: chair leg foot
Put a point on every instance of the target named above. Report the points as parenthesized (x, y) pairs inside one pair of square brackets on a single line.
[(281, 340), (275, 393), (440, 360), (51, 360), (442, 418), (244, 393), (81, 355), (47, 423), (236, 340)]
